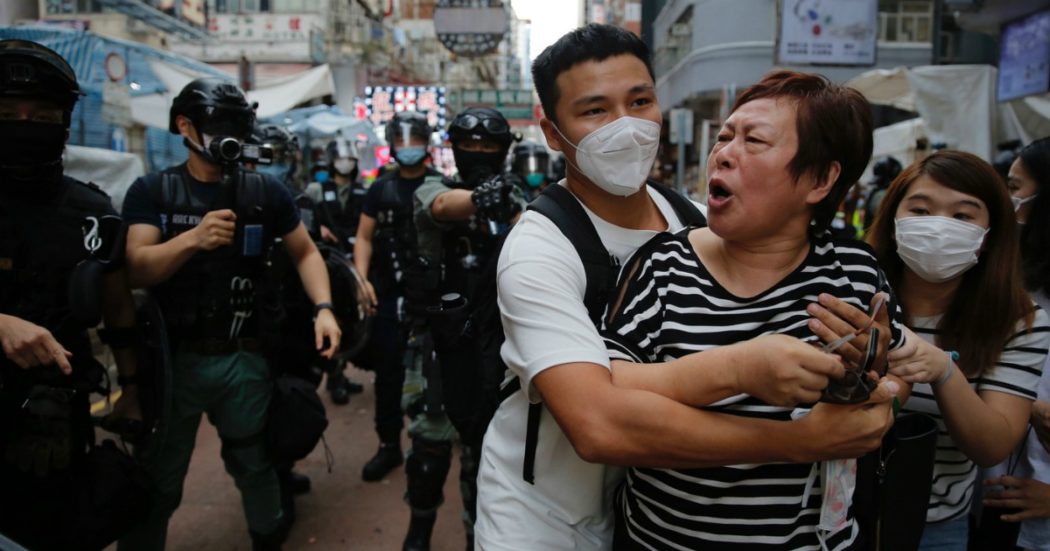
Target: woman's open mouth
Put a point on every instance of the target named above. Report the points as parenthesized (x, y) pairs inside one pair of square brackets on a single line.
[(718, 194)]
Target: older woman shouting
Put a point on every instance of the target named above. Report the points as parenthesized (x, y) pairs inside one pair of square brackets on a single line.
[(784, 159)]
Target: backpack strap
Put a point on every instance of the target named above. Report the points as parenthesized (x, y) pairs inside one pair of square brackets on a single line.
[(561, 207), (686, 210)]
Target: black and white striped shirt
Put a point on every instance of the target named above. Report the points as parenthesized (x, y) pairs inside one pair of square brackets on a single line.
[(1016, 372), (672, 306)]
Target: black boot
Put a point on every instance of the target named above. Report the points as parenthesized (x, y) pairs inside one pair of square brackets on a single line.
[(354, 388), (268, 542), (419, 530), (385, 460), (338, 388), (296, 483)]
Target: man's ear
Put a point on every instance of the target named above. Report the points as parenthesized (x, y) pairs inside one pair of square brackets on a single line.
[(186, 128), (822, 186), (553, 139)]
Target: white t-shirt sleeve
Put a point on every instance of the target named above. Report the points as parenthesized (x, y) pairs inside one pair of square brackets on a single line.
[(541, 284)]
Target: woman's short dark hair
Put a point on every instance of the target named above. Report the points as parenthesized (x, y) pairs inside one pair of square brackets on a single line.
[(1035, 234), (592, 42), (991, 297), (834, 124)]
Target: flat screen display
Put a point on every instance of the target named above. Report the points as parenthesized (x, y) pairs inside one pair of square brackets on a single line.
[(1024, 57)]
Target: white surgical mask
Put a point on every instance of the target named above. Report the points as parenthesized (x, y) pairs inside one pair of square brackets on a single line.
[(1018, 201), (618, 156), (344, 166), (938, 248)]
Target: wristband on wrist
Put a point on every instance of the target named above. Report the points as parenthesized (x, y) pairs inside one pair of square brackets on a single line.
[(323, 306), (953, 356)]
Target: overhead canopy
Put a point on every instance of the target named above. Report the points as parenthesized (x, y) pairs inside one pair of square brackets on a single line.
[(958, 105), (274, 97), (113, 171)]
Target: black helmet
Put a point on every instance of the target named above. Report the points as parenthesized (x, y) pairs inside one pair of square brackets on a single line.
[(885, 170), (341, 148), (530, 157), (480, 123), (215, 107), (531, 162), (283, 142), (34, 70), (414, 123)]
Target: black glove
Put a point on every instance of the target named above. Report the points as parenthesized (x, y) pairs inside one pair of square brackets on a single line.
[(495, 198)]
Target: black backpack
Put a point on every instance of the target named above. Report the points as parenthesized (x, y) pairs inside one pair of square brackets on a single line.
[(486, 330)]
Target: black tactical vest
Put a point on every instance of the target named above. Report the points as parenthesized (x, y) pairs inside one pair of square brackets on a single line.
[(344, 219), (465, 250), (213, 295), (40, 245), (394, 242)]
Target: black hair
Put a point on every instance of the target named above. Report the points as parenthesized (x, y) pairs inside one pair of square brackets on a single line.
[(592, 42), (1035, 234)]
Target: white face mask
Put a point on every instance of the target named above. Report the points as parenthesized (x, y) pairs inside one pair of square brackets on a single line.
[(1018, 201), (938, 248), (618, 156), (344, 166)]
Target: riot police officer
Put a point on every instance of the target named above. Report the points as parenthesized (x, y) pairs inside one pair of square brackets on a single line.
[(340, 198), (383, 248), (197, 237), (286, 155), (337, 207), (57, 235), (458, 224), (530, 161)]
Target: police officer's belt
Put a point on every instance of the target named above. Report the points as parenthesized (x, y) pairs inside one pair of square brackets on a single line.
[(221, 347)]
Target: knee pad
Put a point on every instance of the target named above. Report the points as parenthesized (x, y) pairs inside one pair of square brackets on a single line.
[(245, 456), (426, 469)]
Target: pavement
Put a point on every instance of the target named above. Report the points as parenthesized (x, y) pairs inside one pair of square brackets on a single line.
[(340, 513)]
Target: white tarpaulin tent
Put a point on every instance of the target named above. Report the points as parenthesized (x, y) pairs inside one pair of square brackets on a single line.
[(112, 171), (326, 125), (958, 105), (898, 140), (275, 96)]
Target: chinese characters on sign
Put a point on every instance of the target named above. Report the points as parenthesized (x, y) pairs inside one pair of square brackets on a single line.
[(262, 27), (383, 101), (825, 32)]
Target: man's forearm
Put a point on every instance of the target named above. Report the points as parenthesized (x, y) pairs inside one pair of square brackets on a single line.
[(452, 206), (314, 275), (362, 256), (618, 426), (698, 379), (118, 312), (149, 265)]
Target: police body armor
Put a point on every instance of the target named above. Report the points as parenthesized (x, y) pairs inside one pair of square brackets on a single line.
[(213, 295), (40, 248), (467, 249), (343, 221), (49, 470), (394, 243)]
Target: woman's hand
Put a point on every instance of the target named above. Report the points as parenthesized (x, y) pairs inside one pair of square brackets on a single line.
[(1030, 497), (784, 371), (834, 318), (921, 362)]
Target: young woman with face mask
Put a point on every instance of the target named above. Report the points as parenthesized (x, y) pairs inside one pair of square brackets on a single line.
[(1019, 489), (946, 237)]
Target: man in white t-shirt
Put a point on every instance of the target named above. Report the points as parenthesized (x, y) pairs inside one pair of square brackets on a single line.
[(597, 89)]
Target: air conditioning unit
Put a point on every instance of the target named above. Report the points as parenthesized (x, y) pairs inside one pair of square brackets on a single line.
[(681, 29)]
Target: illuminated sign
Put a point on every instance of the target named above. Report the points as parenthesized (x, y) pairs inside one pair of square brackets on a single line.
[(383, 101)]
